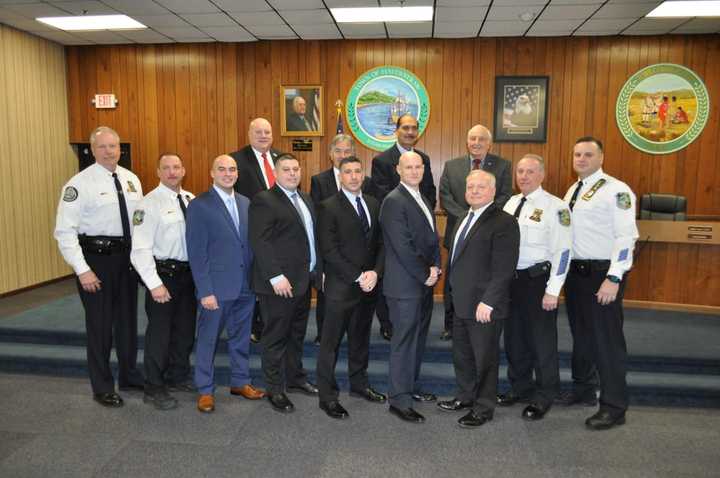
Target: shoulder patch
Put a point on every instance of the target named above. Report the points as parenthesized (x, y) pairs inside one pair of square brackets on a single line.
[(70, 194), (623, 200), (564, 217), (138, 217)]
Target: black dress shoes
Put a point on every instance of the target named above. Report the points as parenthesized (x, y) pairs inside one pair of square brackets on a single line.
[(307, 388), (453, 405), (424, 397), (334, 410), (571, 398), (161, 400), (603, 420), (474, 420), (280, 402), (112, 400), (369, 394), (386, 334), (510, 398), (446, 335), (409, 415), (129, 387), (534, 412), (186, 386)]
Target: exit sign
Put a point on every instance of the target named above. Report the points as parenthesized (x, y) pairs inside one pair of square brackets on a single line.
[(105, 101)]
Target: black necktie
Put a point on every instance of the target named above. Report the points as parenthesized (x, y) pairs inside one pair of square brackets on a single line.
[(463, 233), (363, 217), (182, 205), (519, 208), (123, 209), (573, 199)]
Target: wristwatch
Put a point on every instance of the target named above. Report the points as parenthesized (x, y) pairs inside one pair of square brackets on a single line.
[(613, 279)]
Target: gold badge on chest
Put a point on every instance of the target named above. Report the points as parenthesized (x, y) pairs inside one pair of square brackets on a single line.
[(536, 215), (131, 187)]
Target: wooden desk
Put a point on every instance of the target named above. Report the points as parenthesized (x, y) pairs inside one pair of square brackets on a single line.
[(680, 232)]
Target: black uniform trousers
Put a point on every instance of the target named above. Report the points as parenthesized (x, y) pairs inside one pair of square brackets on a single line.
[(170, 332), (476, 349), (319, 312), (531, 341), (111, 311), (354, 316), (282, 340), (598, 339)]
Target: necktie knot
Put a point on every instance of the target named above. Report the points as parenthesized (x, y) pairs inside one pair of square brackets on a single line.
[(573, 199), (476, 163)]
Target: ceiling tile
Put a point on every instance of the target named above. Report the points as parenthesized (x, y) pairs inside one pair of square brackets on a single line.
[(7, 2), (25, 24), (181, 32), (210, 20), (518, 3), (103, 37), (654, 25), (511, 13), (560, 12), (699, 25), (195, 40), (257, 18), (306, 17), (460, 14), (145, 36), (188, 6), (34, 10), (63, 38), (406, 3), (137, 7), (556, 25), (351, 3), (161, 20), (270, 32), (243, 6), (616, 10), (229, 34), (541, 33), (463, 3), (325, 31), (456, 29), (85, 8), (504, 29), (363, 30), (597, 3), (296, 4), (410, 30)]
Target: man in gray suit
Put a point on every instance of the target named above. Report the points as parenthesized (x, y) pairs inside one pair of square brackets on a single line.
[(452, 191)]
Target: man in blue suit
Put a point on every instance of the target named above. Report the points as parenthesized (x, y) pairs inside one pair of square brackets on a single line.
[(220, 259), (412, 267)]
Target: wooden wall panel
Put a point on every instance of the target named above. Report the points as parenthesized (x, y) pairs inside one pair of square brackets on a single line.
[(35, 157), (199, 99)]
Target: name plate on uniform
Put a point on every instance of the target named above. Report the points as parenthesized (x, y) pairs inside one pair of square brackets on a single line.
[(302, 145)]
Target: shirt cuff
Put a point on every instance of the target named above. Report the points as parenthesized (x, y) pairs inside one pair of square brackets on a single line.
[(276, 279)]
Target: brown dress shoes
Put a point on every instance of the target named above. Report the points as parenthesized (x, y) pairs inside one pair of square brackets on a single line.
[(247, 391)]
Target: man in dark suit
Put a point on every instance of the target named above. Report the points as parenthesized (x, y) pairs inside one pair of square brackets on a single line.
[(220, 257), (256, 172), (282, 235), (412, 267), (327, 184), (297, 119), (483, 256), (452, 191), (353, 260)]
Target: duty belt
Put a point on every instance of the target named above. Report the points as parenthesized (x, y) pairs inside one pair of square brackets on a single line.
[(171, 267), (105, 245), (539, 269), (587, 266)]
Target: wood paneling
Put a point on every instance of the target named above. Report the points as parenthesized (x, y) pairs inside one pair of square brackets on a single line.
[(35, 157), (199, 99)]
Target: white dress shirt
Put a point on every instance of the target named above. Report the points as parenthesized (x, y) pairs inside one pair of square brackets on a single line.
[(261, 163), (419, 200)]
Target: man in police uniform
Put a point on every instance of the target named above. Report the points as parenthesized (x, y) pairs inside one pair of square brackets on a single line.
[(531, 328), (604, 235), (93, 230), (159, 254)]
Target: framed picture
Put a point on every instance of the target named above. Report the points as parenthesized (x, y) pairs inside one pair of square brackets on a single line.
[(301, 110), (521, 109)]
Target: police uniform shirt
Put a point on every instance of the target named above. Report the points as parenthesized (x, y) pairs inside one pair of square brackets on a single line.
[(604, 222), (158, 232), (545, 235), (89, 205)]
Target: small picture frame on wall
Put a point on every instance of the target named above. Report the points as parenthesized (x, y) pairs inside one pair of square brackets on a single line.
[(521, 105), (301, 110)]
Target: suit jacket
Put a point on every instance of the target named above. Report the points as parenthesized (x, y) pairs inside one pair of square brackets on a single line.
[(385, 177), (220, 255), (346, 251), (323, 186), (411, 246), (250, 177), (278, 237), (452, 187), (295, 123), (485, 265)]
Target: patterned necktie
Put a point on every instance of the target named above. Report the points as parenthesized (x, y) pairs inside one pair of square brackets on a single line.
[(233, 212), (182, 205), (519, 208), (573, 199), (269, 173), (299, 210), (123, 209), (363, 217), (461, 238)]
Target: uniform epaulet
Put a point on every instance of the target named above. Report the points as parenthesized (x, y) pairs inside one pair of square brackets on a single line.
[(591, 192)]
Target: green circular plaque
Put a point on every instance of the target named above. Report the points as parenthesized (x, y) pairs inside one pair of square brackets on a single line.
[(377, 98), (662, 108)]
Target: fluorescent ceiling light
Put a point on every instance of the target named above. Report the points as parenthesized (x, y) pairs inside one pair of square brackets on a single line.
[(382, 14), (686, 9), (93, 22)]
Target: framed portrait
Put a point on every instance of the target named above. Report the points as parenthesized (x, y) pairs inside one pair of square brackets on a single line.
[(521, 105), (301, 110)]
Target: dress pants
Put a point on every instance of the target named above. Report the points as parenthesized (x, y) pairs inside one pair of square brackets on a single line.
[(320, 312), (531, 341), (234, 316), (283, 339), (355, 317), (381, 308), (111, 311), (598, 340), (411, 320), (475, 358), (447, 301), (170, 333)]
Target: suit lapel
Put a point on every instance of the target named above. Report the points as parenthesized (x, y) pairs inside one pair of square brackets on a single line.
[(403, 190), (282, 197), (350, 209), (225, 213), (255, 166), (475, 228)]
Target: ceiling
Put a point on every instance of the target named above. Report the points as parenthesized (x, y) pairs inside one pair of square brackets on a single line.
[(173, 21)]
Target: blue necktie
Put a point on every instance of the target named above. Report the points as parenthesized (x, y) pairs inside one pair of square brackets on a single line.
[(463, 233), (363, 217)]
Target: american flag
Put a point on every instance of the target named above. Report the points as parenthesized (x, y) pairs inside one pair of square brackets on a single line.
[(316, 110), (512, 92)]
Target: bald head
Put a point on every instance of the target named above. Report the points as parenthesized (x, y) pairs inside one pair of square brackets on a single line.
[(260, 134), (411, 169), (479, 141), (224, 172)]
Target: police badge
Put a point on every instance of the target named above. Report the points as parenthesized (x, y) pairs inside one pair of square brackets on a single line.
[(70, 194), (536, 215), (564, 217), (138, 217), (623, 200), (131, 187)]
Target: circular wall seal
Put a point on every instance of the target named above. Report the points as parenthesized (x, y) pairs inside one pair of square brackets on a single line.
[(662, 108), (376, 100)]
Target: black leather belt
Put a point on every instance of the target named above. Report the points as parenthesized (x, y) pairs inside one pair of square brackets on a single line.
[(587, 266), (539, 269), (105, 245), (171, 267)]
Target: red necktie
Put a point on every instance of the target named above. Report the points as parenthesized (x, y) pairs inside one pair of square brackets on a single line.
[(268, 171), (476, 163)]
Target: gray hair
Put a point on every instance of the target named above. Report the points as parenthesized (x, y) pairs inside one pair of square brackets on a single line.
[(537, 158), (480, 172), (340, 138), (100, 130)]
